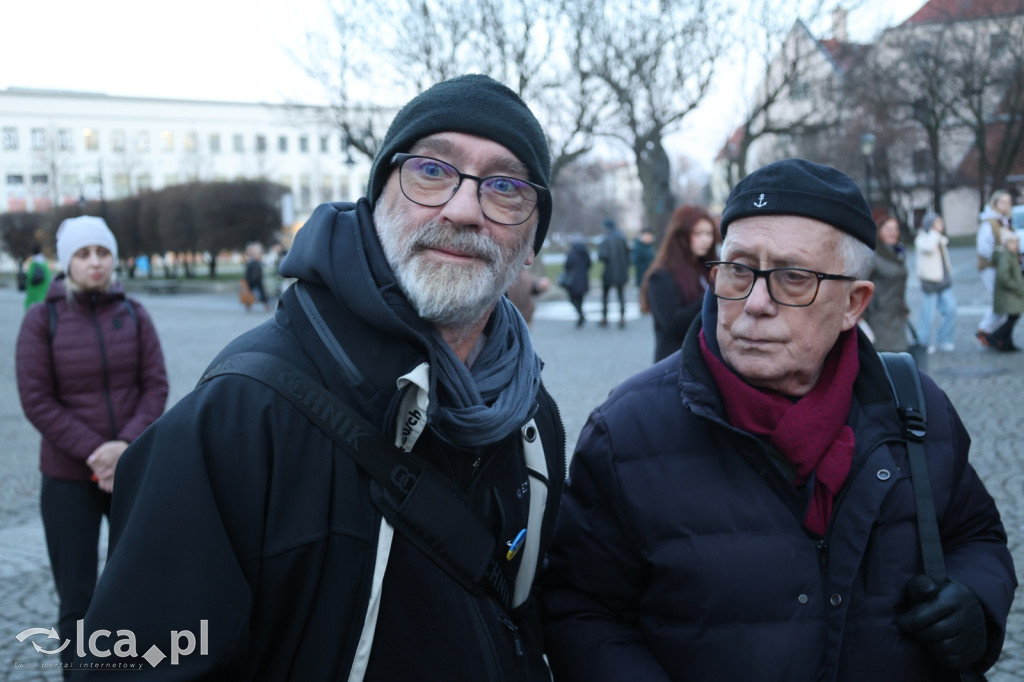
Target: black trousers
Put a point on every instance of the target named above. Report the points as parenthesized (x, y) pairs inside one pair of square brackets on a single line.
[(1002, 338), (619, 289), (72, 514)]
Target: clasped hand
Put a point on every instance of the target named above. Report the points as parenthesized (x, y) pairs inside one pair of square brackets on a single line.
[(103, 461), (947, 619)]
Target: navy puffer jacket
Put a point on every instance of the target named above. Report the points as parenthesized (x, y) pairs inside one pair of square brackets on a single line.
[(103, 379), (680, 552)]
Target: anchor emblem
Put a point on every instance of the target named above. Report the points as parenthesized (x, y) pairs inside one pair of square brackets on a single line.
[(760, 203)]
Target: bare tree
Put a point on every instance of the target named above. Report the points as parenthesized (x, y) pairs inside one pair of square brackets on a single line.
[(654, 62)]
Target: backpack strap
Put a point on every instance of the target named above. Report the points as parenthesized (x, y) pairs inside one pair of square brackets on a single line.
[(429, 510), (905, 382)]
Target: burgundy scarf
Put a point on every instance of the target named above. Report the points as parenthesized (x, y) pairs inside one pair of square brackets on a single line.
[(810, 432)]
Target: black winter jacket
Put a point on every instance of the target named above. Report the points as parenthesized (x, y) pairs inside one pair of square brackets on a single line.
[(236, 518), (681, 555)]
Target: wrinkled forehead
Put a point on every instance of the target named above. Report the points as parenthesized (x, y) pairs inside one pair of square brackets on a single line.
[(456, 148), (780, 240)]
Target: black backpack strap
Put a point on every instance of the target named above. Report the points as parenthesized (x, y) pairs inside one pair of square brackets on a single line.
[(420, 503), (906, 389)]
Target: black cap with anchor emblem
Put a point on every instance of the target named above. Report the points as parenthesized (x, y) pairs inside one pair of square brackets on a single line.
[(803, 188)]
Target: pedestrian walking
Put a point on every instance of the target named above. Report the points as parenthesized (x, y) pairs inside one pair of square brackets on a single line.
[(746, 513), (254, 275), (993, 220), (935, 272), (674, 287), (364, 486), (614, 254), (642, 254), (887, 313), (575, 277), (37, 277), (1008, 297), (91, 378)]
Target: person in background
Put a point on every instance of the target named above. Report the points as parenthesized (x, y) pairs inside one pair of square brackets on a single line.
[(1008, 297), (993, 221), (379, 511), (887, 313), (523, 291), (935, 272), (746, 513), (37, 277), (642, 254), (614, 254), (254, 274), (91, 378), (575, 277), (674, 286)]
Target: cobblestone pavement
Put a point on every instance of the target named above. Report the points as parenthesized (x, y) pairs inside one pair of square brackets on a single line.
[(582, 365)]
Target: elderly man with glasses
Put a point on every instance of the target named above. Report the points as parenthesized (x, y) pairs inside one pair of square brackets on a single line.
[(363, 487), (743, 509)]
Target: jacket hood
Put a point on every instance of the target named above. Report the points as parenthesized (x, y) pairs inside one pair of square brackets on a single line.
[(338, 249), (990, 213)]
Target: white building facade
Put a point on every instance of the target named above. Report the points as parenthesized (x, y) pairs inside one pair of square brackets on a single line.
[(60, 147)]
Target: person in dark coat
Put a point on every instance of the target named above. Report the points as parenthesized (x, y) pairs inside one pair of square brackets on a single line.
[(614, 254), (241, 521), (674, 287), (642, 254), (887, 313), (91, 378), (743, 511), (575, 278)]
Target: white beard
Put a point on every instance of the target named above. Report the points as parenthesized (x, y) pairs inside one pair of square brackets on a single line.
[(449, 295)]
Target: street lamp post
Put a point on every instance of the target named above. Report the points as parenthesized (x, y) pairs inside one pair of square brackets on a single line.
[(867, 149)]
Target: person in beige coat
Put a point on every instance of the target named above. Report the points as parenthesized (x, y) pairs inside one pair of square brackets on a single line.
[(934, 270)]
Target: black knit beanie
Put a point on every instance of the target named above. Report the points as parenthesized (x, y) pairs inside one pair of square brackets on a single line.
[(476, 105), (803, 188)]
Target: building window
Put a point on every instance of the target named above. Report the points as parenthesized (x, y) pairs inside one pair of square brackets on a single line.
[(167, 140), (238, 143), (922, 161), (122, 185), (170, 179), (10, 140), (261, 143), (190, 143), (326, 188), (65, 140), (117, 140), (142, 141), (305, 193), (144, 181), (92, 140), (304, 144), (214, 143), (324, 144), (41, 179), (38, 139), (282, 144)]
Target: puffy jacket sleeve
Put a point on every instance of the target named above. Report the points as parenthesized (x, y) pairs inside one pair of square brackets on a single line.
[(594, 579), (37, 388), (974, 540), (152, 377), (187, 509)]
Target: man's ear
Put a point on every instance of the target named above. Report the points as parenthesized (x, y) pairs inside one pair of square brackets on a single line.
[(529, 259), (857, 301)]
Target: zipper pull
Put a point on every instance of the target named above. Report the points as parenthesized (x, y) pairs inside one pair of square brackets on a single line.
[(822, 547), (513, 628)]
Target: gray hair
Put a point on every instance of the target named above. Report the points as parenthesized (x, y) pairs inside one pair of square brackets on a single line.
[(856, 256)]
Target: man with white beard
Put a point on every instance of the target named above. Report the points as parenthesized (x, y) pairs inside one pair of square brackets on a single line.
[(364, 486)]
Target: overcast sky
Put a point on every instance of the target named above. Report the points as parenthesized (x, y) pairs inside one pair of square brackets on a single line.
[(227, 50)]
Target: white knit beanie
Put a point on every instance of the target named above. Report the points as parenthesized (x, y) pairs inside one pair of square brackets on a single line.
[(86, 230)]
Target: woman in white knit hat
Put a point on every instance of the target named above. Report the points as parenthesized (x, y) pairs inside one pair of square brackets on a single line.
[(91, 378)]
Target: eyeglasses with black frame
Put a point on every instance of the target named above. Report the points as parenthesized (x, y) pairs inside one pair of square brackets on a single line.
[(431, 182), (793, 287)]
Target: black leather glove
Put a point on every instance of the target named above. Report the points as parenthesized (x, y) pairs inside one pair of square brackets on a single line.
[(947, 619)]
